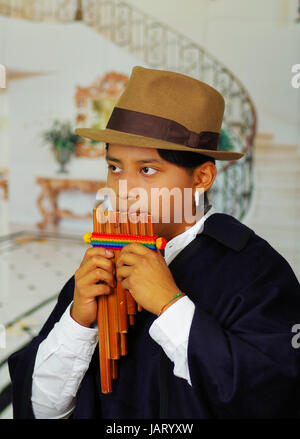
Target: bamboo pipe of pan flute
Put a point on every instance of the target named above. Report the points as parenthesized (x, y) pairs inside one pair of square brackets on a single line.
[(130, 228), (103, 331), (145, 228), (112, 301), (121, 297), (115, 308)]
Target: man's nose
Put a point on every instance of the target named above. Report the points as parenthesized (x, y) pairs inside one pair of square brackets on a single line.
[(129, 194)]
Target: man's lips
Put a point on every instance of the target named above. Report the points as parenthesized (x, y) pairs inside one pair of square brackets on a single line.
[(128, 205)]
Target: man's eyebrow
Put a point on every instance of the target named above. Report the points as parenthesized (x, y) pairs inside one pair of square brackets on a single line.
[(149, 160)]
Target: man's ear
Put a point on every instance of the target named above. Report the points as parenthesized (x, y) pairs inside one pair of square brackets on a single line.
[(204, 176)]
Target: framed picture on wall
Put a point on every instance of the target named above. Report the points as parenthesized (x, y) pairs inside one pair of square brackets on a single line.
[(94, 105)]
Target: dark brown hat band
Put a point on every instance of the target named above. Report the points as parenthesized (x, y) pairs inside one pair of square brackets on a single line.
[(148, 125)]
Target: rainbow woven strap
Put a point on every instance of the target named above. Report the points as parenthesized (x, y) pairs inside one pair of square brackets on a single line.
[(116, 241)]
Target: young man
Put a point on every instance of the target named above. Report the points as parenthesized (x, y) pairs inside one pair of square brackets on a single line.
[(221, 349)]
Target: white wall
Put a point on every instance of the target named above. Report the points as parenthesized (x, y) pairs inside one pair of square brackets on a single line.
[(73, 55), (4, 124), (4, 156), (258, 40)]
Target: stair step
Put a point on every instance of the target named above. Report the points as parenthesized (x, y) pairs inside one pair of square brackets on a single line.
[(276, 161), (264, 137), (287, 154), (277, 146)]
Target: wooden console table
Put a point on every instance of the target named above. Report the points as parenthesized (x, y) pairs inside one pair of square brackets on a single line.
[(51, 188)]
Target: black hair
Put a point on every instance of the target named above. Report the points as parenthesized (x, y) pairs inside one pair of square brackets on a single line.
[(185, 159)]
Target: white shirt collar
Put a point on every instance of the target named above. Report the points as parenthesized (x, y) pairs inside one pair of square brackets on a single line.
[(179, 242)]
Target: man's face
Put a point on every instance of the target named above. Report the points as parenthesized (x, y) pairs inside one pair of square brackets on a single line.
[(144, 170)]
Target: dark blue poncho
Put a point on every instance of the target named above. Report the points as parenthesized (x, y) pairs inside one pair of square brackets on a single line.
[(241, 360)]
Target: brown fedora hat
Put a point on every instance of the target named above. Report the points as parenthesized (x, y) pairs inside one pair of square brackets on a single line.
[(168, 110)]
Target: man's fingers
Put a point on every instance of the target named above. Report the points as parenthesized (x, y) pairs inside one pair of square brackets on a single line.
[(97, 275), (95, 251), (96, 262), (98, 290), (123, 272), (136, 248), (132, 252), (127, 259)]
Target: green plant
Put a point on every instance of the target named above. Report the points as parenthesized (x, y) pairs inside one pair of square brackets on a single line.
[(63, 141), (61, 136), (228, 140)]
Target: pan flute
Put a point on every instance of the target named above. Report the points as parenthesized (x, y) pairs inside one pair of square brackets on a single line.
[(117, 310)]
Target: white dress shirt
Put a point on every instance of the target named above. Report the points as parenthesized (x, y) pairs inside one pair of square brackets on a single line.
[(64, 356)]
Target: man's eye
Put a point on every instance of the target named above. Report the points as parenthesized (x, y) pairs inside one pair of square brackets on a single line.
[(147, 170), (111, 168), (149, 173)]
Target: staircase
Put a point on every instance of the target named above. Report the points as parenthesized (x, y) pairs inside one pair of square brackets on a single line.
[(161, 47), (275, 211)]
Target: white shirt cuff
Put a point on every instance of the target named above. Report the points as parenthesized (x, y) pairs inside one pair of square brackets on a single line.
[(79, 339), (61, 362), (171, 331)]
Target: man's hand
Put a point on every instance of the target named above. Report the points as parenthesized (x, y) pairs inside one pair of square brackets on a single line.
[(95, 276), (146, 275)]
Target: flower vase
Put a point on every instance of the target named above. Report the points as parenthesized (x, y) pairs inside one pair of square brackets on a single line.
[(63, 156)]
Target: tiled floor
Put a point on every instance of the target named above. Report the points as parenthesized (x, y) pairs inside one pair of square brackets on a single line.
[(31, 277), (31, 273)]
